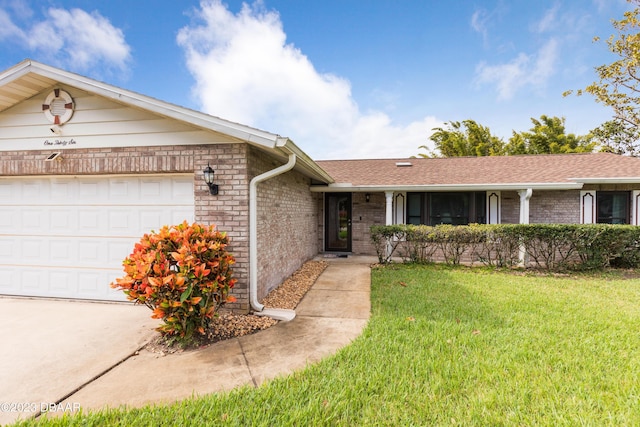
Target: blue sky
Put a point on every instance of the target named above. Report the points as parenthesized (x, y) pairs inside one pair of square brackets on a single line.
[(341, 78)]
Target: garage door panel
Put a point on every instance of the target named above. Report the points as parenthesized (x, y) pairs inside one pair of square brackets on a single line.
[(118, 250), (62, 220), (88, 191), (91, 221), (182, 190), (62, 250), (7, 190), (62, 282), (9, 281), (7, 247), (123, 222), (34, 280), (90, 252), (91, 285), (9, 217), (32, 190), (153, 189), (33, 251), (36, 220), (70, 239)]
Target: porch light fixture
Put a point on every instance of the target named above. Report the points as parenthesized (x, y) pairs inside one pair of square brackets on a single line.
[(208, 178), (367, 197)]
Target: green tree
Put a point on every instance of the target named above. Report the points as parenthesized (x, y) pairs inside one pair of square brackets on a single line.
[(548, 136), (618, 86), (466, 138)]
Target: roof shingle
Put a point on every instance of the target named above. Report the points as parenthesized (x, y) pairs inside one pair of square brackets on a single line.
[(495, 170)]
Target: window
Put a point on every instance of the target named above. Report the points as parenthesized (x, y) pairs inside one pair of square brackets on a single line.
[(459, 208), (612, 207)]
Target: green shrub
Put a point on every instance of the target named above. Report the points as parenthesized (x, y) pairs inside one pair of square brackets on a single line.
[(183, 274), (455, 240), (499, 247), (548, 246), (420, 244), (386, 239)]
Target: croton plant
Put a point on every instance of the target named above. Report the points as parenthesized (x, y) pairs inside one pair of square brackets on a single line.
[(183, 273)]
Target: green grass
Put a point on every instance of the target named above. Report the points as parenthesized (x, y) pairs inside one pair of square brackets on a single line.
[(453, 346)]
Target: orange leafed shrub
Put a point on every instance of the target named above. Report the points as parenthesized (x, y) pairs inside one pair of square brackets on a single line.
[(183, 273)]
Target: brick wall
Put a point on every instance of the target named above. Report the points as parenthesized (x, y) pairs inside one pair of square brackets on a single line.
[(228, 210), (365, 214), (554, 207), (510, 207), (287, 222), (545, 207)]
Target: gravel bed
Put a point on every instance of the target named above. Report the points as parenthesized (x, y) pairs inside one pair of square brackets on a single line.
[(230, 325)]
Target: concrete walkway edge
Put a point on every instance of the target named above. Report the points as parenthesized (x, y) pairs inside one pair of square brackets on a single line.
[(332, 314)]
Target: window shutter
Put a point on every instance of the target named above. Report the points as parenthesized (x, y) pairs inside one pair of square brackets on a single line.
[(400, 208), (493, 207), (635, 207), (587, 207)]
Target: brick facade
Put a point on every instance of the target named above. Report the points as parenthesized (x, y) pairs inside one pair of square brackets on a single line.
[(287, 222), (545, 207), (554, 207), (510, 207), (365, 214), (287, 231)]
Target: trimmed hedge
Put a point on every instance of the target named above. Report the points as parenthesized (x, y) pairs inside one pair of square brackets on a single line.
[(551, 247)]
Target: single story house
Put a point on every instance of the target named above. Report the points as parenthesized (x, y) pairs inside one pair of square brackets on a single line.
[(86, 168)]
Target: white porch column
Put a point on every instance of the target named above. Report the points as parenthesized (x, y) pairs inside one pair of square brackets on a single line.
[(389, 209), (525, 196), (388, 195)]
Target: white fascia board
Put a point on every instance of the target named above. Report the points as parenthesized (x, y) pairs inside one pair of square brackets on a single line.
[(622, 180), (289, 147), (345, 187), (236, 130), (15, 72)]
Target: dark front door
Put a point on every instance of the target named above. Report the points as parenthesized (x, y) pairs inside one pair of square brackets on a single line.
[(337, 220)]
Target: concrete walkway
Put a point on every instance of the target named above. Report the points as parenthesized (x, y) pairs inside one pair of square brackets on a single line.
[(330, 316)]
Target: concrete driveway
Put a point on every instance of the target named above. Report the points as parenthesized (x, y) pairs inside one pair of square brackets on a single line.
[(50, 348), (60, 356)]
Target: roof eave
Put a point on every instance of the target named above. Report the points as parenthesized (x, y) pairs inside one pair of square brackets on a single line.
[(311, 168), (236, 130), (346, 187), (621, 180)]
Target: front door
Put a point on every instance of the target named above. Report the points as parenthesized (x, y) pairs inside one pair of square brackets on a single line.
[(337, 219)]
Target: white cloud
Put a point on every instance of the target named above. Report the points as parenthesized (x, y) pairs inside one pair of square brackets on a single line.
[(246, 71), (548, 21), (75, 39), (523, 71), (479, 21)]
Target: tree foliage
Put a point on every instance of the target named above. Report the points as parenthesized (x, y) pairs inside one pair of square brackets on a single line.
[(548, 136), (618, 86), (468, 138)]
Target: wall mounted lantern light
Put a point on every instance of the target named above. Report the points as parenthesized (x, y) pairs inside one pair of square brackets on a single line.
[(367, 197), (208, 178)]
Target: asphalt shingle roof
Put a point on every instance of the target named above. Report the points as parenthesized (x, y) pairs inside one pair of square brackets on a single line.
[(497, 170)]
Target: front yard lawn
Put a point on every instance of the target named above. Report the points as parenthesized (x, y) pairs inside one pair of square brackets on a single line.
[(452, 346)]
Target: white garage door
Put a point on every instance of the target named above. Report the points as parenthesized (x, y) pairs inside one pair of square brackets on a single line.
[(66, 237)]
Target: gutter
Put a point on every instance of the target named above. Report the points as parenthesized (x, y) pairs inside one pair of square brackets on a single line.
[(345, 187), (279, 314)]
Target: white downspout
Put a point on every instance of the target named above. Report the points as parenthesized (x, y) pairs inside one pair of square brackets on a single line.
[(253, 228)]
